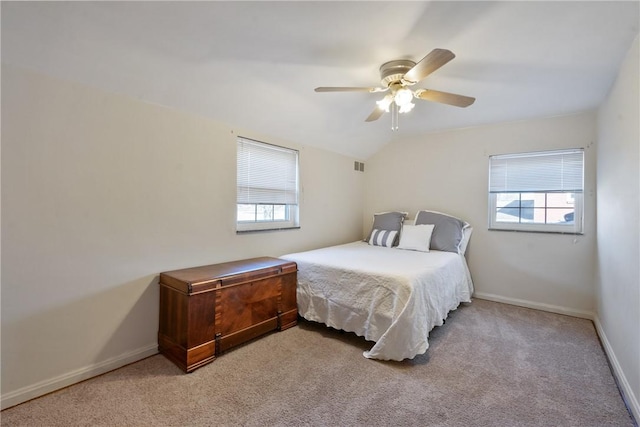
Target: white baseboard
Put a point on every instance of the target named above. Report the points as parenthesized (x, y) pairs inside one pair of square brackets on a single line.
[(630, 398), (47, 386), (536, 305)]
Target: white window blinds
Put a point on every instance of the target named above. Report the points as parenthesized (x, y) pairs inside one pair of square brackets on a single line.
[(266, 174), (537, 172)]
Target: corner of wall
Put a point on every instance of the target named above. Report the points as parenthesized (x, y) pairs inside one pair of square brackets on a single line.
[(629, 397)]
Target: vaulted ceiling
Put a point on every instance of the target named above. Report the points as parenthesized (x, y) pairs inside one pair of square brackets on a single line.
[(255, 64)]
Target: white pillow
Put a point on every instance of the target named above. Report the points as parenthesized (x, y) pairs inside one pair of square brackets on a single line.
[(416, 237)]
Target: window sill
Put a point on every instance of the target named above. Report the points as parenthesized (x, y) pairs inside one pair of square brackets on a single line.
[(572, 233), (266, 230)]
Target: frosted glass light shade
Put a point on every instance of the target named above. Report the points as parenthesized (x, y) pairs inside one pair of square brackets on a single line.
[(403, 96), (385, 102)]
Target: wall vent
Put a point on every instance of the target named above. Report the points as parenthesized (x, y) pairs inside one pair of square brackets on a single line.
[(358, 166)]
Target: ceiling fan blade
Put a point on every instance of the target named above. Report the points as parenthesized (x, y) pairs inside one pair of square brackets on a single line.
[(427, 65), (375, 115), (444, 97), (350, 89)]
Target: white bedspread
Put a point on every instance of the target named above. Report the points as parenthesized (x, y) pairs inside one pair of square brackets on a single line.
[(388, 295)]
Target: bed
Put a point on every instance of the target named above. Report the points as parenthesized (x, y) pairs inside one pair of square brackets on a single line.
[(391, 288)]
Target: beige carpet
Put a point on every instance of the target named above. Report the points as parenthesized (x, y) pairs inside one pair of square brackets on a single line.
[(490, 365)]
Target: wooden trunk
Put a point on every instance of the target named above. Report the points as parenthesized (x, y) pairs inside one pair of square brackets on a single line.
[(209, 309)]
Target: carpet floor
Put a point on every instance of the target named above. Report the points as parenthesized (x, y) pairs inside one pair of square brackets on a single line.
[(491, 364)]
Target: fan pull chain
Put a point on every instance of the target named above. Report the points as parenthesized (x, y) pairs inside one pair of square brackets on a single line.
[(394, 116)]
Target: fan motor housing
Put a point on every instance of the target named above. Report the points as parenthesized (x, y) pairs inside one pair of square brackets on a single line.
[(393, 71)]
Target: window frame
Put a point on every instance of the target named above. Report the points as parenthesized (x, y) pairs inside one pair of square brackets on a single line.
[(576, 227), (292, 209)]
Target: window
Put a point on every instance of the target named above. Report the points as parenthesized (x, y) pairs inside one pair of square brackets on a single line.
[(267, 186), (537, 191)]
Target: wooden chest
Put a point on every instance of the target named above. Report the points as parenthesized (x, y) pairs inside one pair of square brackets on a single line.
[(209, 309)]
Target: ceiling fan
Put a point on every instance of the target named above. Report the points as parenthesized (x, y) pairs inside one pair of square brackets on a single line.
[(397, 77)]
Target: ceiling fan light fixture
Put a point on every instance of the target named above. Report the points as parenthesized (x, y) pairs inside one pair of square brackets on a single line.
[(403, 96), (406, 107), (385, 102)]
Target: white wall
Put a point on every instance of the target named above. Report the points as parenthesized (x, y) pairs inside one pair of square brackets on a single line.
[(448, 172), (618, 279), (100, 193)]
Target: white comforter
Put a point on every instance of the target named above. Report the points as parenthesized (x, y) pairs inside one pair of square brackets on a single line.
[(388, 295)]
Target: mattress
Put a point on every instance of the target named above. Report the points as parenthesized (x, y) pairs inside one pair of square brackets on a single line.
[(390, 296)]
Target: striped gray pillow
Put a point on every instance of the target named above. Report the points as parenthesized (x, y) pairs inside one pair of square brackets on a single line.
[(382, 237)]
